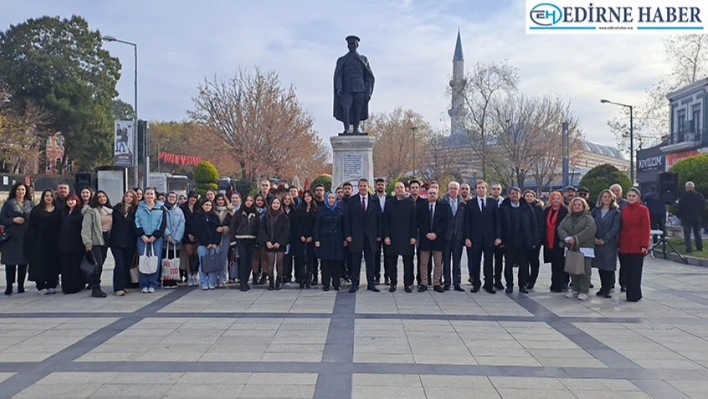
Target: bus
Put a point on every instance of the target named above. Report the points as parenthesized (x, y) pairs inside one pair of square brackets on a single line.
[(165, 183)]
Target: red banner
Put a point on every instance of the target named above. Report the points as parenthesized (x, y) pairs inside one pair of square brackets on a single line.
[(177, 159)]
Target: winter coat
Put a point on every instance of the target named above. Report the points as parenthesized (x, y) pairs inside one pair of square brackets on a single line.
[(690, 207), (527, 236), (13, 252), (305, 222), (245, 227), (294, 237), (439, 226), (329, 232), (70, 231), (188, 216), (150, 222), (655, 205), (456, 222), (540, 221), (279, 234), (635, 233), (41, 243), (175, 224), (123, 230), (582, 228), (548, 253), (204, 228), (91, 234), (399, 226), (608, 229)]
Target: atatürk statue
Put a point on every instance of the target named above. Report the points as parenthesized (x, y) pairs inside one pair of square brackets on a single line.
[(353, 86)]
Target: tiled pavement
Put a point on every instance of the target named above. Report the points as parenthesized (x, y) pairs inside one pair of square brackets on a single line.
[(189, 343)]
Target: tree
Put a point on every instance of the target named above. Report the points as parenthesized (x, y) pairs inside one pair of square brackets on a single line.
[(60, 65), (602, 177), (483, 85), (22, 133), (440, 159), (401, 138), (122, 111), (692, 169), (266, 128), (206, 177), (323, 179), (688, 55)]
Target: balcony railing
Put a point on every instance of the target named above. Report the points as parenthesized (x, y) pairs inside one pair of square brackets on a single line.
[(697, 137)]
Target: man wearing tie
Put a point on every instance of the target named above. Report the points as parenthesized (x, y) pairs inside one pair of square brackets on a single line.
[(400, 235), (499, 254), (433, 218), (482, 235), (455, 237), (381, 197), (362, 229)]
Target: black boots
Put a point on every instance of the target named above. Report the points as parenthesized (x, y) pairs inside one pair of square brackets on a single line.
[(263, 279), (278, 282), (271, 284), (308, 281), (96, 292), (21, 272)]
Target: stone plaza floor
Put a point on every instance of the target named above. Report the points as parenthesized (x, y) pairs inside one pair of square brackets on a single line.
[(188, 343)]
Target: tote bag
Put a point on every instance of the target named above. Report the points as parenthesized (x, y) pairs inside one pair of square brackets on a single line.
[(134, 272), (233, 265), (574, 261), (148, 263), (170, 266), (212, 262)]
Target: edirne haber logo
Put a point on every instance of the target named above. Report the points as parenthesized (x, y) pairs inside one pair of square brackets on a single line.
[(616, 17)]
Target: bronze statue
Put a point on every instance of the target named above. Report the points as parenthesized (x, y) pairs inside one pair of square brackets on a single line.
[(353, 86)]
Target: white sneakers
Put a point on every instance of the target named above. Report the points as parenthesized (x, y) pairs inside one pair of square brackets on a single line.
[(192, 281), (43, 292), (571, 294), (582, 297), (151, 290), (577, 295), (144, 290)]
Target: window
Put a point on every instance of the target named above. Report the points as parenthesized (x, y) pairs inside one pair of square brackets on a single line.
[(69, 166), (681, 122), (48, 166), (59, 140), (57, 165), (697, 118)]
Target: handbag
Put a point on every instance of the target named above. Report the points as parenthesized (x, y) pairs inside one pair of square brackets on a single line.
[(170, 266), (5, 235), (88, 263), (574, 261), (148, 263), (233, 266), (212, 262)]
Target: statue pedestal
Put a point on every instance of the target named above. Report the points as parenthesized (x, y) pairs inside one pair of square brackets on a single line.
[(353, 159)]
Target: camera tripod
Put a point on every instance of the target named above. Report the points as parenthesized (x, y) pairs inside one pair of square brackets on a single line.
[(664, 242)]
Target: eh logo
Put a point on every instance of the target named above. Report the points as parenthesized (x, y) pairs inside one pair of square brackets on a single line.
[(546, 14)]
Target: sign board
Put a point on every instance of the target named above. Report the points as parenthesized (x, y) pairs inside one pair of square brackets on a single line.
[(123, 140), (113, 182), (352, 166)]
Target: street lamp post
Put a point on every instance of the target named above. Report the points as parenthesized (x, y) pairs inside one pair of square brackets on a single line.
[(135, 106), (413, 129), (631, 135)]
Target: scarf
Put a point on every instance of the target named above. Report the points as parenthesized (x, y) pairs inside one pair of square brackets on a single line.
[(551, 227), (168, 206), (221, 212), (330, 207), (105, 211)]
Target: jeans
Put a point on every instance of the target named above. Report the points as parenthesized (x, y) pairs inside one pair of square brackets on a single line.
[(206, 280), (150, 280), (694, 226), (121, 273)]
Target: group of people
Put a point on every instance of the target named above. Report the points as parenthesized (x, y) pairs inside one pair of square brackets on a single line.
[(275, 239)]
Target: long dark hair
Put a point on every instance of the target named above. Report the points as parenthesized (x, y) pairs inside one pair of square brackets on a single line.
[(313, 204), (200, 211), (244, 211), (13, 191), (94, 200), (43, 205), (273, 212), (265, 203), (81, 200)]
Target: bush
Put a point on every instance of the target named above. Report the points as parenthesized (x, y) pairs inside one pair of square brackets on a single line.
[(322, 179), (693, 169), (205, 172), (602, 177)]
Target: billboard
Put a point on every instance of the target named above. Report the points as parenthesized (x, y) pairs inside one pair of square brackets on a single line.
[(123, 149)]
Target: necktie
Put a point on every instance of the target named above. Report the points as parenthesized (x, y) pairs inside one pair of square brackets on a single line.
[(453, 205), (483, 205), (432, 215), (363, 203)]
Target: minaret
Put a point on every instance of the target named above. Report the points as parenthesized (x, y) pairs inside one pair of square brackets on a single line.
[(458, 111)]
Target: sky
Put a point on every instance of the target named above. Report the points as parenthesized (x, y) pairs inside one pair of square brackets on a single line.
[(409, 44)]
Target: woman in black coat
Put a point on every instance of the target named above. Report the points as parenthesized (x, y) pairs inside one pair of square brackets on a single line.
[(291, 210), (189, 262), (42, 244), (14, 217), (71, 247), (553, 252), (329, 240), (274, 236), (534, 263), (305, 236), (123, 241)]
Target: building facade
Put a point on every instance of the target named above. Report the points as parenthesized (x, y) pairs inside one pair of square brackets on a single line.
[(688, 119)]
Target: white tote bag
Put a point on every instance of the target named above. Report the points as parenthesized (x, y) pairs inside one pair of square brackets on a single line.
[(148, 263), (170, 266)]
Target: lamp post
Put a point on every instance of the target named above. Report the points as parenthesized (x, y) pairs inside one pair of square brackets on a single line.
[(413, 129), (135, 105), (631, 135)]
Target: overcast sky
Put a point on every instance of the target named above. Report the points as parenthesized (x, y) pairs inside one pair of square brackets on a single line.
[(409, 43)]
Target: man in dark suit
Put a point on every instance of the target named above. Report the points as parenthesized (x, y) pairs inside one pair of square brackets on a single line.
[(483, 235), (362, 229), (400, 234), (347, 190), (381, 197), (519, 236), (433, 218), (414, 189), (496, 191), (455, 237)]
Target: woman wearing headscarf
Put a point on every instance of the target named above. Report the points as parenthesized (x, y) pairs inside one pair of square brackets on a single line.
[(274, 236), (329, 240), (634, 242), (189, 262), (174, 233), (577, 231), (42, 244), (608, 221), (14, 216), (244, 225), (553, 252)]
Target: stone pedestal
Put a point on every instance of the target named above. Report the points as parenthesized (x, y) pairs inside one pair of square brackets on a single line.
[(353, 159)]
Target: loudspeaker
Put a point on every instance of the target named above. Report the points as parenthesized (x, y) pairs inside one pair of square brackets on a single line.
[(82, 180), (668, 187)]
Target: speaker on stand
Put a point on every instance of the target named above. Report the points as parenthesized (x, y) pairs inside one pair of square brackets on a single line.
[(82, 180), (668, 193)]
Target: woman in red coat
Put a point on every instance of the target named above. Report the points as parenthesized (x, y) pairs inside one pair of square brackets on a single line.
[(634, 242)]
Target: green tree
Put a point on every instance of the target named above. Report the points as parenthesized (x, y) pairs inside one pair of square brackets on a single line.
[(60, 65), (602, 177), (693, 169), (206, 177), (323, 179), (122, 111)]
